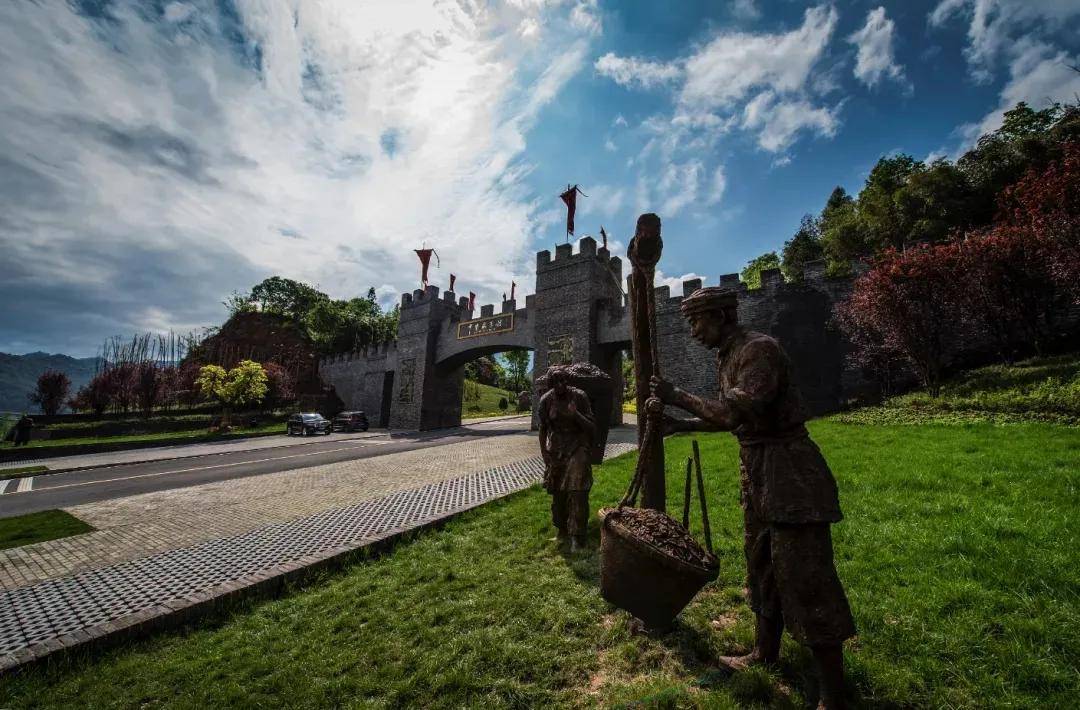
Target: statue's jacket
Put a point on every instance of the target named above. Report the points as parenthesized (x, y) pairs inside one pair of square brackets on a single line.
[(784, 477)]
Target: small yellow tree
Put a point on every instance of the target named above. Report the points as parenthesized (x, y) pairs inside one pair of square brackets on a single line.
[(243, 385)]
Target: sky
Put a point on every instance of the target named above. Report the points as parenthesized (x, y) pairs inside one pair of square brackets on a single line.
[(157, 155)]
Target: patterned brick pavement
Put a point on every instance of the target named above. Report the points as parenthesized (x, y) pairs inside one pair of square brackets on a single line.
[(127, 528), (39, 619)]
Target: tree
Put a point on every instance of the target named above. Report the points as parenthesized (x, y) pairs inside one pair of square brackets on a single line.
[(909, 304), (243, 385), (843, 238), (801, 249), (287, 297), (884, 221), (517, 370), (751, 275), (52, 390), (281, 385), (148, 385)]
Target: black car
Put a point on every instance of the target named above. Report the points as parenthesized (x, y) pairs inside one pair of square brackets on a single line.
[(351, 421), (307, 425)]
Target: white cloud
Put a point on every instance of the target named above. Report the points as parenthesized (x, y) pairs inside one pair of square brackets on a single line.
[(585, 17), (675, 283), (529, 28), (620, 121), (782, 161), (719, 185), (733, 64), (609, 145), (1038, 75), (628, 71), (153, 164), (603, 200), (778, 121), (745, 10), (994, 25), (876, 55)]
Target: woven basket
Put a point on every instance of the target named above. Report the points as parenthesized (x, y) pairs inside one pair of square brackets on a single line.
[(645, 581)]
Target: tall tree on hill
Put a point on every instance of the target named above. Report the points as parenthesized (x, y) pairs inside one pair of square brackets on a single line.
[(843, 238), (801, 249), (51, 391), (884, 220)]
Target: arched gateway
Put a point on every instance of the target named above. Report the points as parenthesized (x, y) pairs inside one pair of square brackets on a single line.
[(578, 314)]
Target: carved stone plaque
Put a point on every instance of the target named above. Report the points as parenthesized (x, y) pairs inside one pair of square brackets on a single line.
[(486, 326), (561, 350), (408, 371)]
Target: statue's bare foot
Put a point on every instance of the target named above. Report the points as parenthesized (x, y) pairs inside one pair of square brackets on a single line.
[(741, 663)]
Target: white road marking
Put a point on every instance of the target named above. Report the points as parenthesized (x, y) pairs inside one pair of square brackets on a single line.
[(25, 485)]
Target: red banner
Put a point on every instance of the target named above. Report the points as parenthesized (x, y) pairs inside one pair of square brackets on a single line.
[(570, 198)]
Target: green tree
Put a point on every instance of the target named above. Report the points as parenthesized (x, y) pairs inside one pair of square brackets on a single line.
[(935, 202), (517, 370), (287, 297), (751, 275), (245, 384), (885, 223), (801, 249), (842, 237)]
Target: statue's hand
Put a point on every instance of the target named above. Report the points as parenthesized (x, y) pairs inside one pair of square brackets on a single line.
[(653, 405), (662, 389)]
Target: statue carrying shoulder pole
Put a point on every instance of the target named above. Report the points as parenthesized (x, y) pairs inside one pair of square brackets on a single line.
[(789, 497)]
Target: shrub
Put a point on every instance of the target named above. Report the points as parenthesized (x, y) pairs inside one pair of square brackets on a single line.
[(503, 404)]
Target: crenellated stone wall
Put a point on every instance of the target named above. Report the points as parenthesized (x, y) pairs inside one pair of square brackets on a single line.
[(578, 313)]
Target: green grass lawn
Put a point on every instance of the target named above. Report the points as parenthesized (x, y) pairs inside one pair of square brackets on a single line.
[(194, 435), (960, 553), (480, 400), (39, 527), (21, 472)]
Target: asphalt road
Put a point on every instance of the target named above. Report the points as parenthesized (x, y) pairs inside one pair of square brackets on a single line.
[(61, 490)]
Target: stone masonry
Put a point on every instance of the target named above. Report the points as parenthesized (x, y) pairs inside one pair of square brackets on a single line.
[(579, 314)]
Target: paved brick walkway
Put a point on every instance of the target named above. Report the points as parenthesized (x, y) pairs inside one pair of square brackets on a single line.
[(162, 554), (127, 528)]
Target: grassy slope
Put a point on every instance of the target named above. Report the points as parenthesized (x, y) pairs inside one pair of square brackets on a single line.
[(39, 527), (1039, 389), (959, 552), (481, 400)]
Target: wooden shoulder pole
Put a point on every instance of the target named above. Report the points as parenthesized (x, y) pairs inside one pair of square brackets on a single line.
[(644, 252)]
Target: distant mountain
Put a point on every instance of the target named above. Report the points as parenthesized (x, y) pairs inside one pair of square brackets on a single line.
[(19, 373)]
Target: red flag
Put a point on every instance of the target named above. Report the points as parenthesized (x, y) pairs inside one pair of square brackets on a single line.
[(513, 286), (570, 198), (452, 280), (472, 300), (425, 259)]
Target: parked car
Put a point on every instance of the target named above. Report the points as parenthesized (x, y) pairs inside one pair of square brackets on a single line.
[(307, 425), (351, 421)]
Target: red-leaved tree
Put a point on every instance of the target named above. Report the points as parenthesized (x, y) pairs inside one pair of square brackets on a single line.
[(51, 391), (281, 385), (909, 304)]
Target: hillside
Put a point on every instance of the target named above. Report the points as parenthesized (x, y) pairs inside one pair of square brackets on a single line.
[(19, 373)]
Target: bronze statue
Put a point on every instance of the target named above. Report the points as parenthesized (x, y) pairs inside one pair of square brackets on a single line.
[(789, 496), (567, 430)]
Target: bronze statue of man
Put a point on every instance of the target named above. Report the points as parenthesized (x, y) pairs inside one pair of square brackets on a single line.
[(789, 496), (567, 429)]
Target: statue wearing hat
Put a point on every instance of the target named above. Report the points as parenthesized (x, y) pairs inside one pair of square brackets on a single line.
[(789, 496)]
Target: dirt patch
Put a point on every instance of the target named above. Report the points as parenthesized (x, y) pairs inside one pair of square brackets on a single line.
[(725, 621)]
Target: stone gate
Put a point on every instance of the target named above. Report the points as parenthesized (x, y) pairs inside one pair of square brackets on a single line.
[(578, 313)]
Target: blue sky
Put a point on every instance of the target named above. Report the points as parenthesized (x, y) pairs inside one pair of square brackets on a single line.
[(156, 156)]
